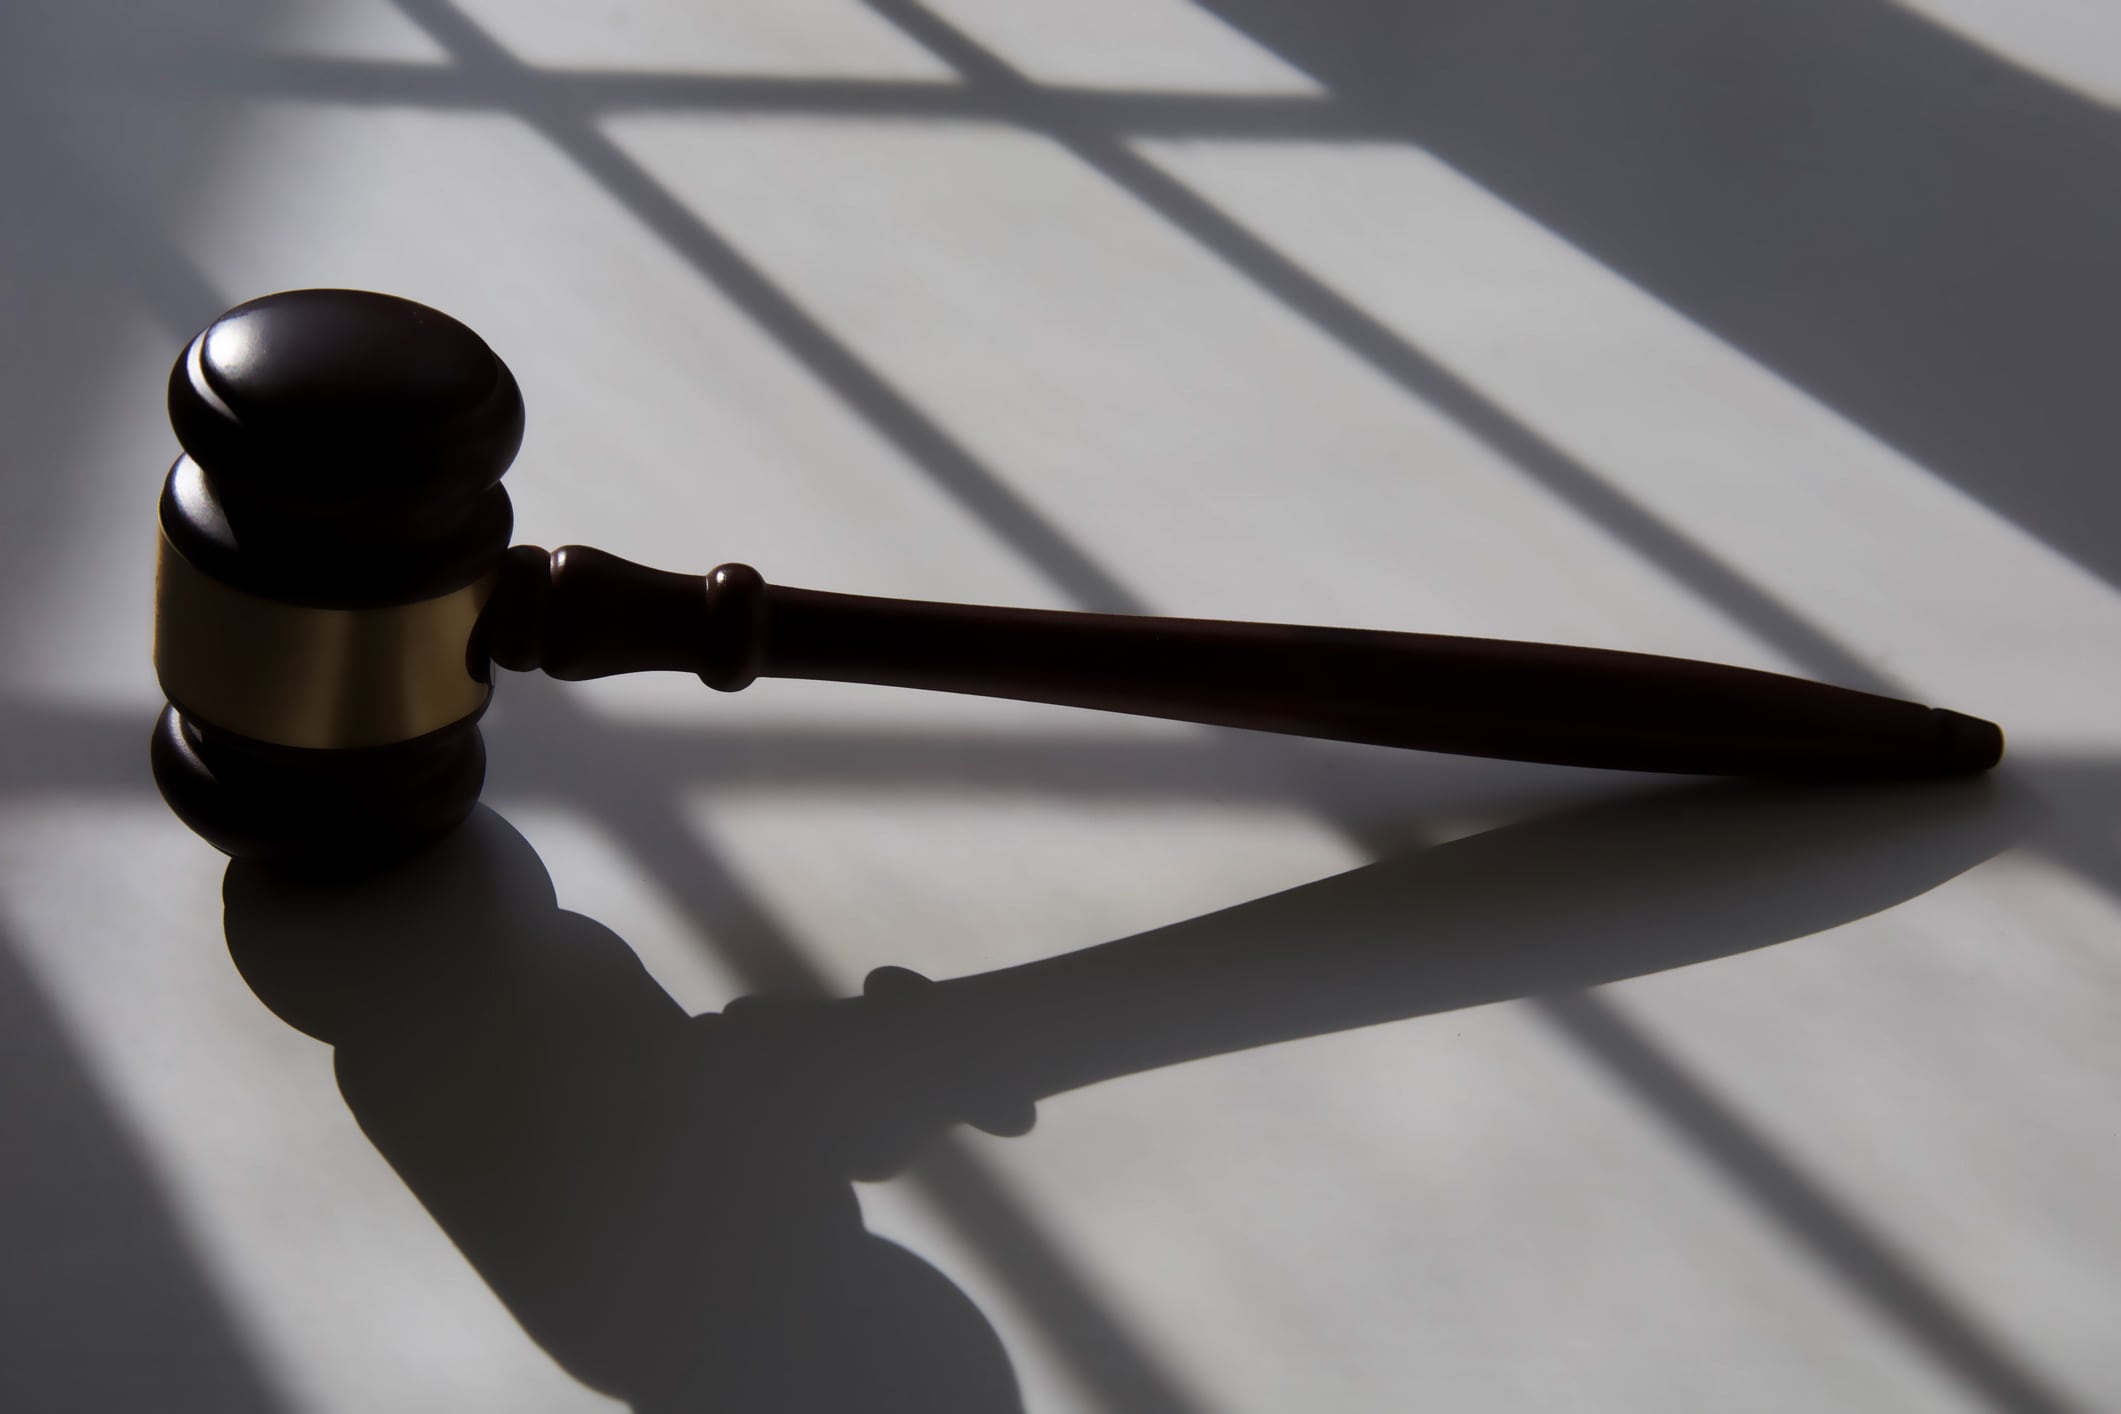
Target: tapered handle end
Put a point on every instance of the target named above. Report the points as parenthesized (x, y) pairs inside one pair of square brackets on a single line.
[(1966, 745)]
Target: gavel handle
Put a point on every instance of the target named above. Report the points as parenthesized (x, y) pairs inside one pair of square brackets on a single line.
[(580, 613)]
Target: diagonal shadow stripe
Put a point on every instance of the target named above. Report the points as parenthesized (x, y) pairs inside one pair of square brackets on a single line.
[(1141, 112), (1889, 1281), (106, 1305)]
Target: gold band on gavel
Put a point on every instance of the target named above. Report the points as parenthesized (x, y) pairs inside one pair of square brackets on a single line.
[(328, 679)]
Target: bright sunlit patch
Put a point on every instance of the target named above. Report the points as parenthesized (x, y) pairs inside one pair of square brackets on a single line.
[(841, 38), (953, 886), (1166, 45), (2075, 43)]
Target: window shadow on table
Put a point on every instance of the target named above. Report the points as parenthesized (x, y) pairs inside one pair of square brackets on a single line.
[(665, 1202), (1916, 231)]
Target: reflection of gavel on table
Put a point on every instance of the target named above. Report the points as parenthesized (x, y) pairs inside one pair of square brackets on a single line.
[(335, 578)]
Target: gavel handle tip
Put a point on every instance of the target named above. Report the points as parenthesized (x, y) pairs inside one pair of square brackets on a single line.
[(1966, 745)]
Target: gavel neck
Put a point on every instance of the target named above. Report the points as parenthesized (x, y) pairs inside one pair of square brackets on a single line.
[(579, 613)]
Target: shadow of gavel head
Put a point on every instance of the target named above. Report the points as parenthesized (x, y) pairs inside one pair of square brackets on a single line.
[(329, 539), (335, 576)]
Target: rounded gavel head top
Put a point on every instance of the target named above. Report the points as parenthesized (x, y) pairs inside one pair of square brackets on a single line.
[(342, 448), (328, 540)]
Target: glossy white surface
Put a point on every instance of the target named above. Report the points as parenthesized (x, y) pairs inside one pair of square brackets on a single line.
[(831, 289)]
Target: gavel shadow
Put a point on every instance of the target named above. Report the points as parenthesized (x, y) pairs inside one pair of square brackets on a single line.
[(664, 1202)]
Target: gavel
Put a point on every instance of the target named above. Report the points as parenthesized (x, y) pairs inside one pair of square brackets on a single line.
[(335, 585)]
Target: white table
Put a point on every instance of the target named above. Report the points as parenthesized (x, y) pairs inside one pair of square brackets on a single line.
[(1778, 335)]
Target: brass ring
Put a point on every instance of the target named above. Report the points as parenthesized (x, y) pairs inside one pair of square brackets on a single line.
[(325, 679)]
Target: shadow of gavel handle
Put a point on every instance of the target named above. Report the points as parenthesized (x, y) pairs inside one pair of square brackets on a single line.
[(581, 613)]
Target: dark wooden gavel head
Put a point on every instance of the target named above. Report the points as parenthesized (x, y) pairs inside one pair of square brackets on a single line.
[(329, 538)]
